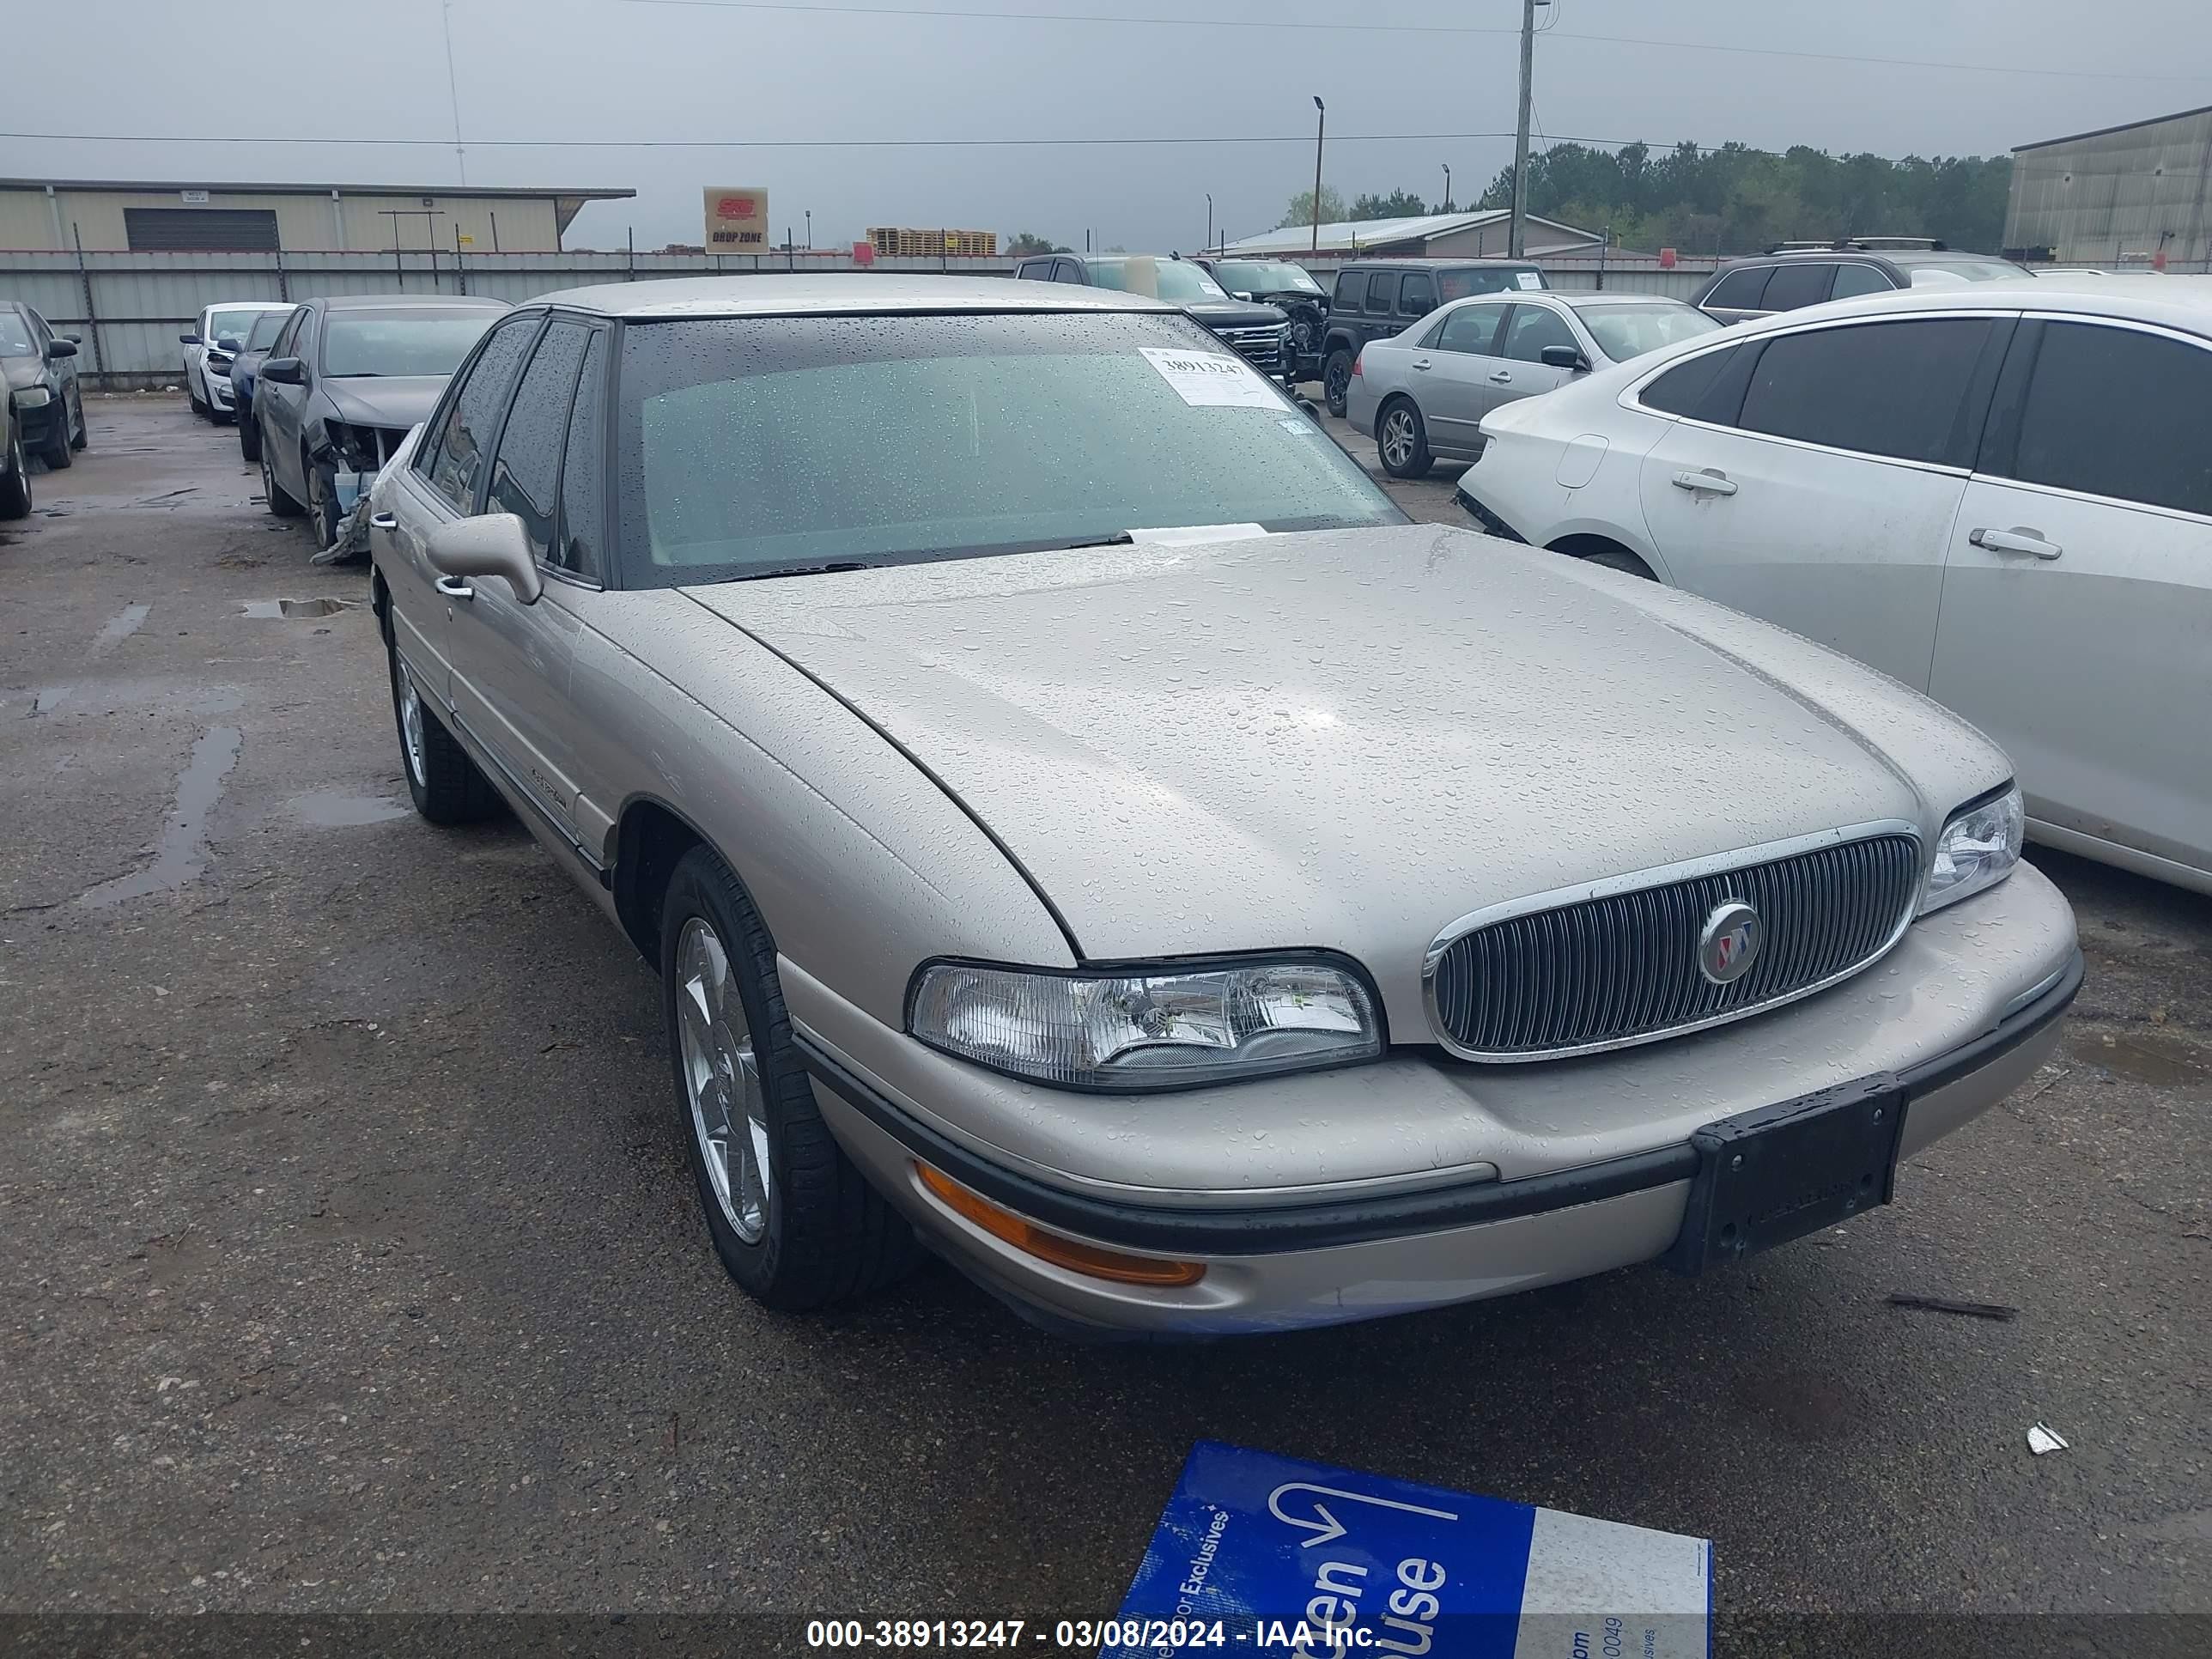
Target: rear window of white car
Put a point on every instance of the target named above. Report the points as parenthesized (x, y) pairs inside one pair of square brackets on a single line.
[(746, 446)]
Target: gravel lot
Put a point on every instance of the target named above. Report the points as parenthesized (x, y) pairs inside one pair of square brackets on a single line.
[(355, 1268)]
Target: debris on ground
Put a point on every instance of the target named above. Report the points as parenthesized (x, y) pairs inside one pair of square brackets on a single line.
[(352, 541), (2041, 1440), (1944, 1304)]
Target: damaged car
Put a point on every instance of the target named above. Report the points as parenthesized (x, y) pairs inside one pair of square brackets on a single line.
[(1118, 851), (344, 383)]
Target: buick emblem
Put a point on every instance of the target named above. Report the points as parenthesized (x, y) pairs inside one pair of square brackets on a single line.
[(1730, 942)]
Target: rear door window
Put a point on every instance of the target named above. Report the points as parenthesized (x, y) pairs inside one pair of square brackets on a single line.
[(1892, 388), (1417, 294), (1069, 272), (1472, 329), (2117, 413), (1382, 289), (456, 462), (1739, 290), (1855, 279), (1351, 290), (1683, 388), (1804, 283)]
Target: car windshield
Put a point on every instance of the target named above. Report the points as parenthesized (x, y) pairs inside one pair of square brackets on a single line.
[(747, 446), (266, 328), (233, 322), (15, 334), (1173, 280), (1264, 277), (1486, 279), (1938, 270), (418, 340), (1623, 332)]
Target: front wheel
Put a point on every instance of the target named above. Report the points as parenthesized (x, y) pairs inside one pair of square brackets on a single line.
[(793, 1221), (14, 479), (83, 431), (1336, 382), (249, 436), (444, 783), (56, 452), (280, 502), (322, 501), (1403, 440)]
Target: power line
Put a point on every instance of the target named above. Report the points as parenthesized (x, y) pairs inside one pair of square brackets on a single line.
[(1113, 18)]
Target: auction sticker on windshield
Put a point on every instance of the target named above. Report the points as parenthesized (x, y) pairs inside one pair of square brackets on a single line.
[(1216, 378), (1298, 1558)]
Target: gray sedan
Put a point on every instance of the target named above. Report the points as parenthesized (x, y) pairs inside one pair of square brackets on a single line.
[(1422, 394), (1109, 845)]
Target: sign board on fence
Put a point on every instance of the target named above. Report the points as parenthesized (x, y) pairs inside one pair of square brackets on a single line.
[(1318, 1563), (737, 219)]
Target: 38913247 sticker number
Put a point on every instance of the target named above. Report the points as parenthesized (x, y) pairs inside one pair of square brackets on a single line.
[(1205, 379)]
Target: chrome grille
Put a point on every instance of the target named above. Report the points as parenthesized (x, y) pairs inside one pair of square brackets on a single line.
[(1622, 968), (1261, 347)]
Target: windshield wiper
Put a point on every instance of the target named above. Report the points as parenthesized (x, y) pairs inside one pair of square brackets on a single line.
[(1119, 539), (802, 570)]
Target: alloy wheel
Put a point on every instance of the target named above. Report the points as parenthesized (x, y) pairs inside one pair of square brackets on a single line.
[(411, 725), (1398, 438), (721, 1078)]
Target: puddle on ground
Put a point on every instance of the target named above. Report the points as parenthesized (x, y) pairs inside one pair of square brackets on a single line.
[(272, 608), (181, 854), (2159, 1060), (326, 810)]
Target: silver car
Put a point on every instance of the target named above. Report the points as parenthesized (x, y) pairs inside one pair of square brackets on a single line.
[(1422, 395), (1079, 824)]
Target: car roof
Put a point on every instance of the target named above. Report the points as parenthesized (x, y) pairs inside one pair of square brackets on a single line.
[(862, 294), (2179, 302), (399, 301), (1595, 296), (1409, 262)]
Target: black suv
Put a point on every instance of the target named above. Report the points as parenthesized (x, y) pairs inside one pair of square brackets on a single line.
[(1797, 274), (1256, 331), (1375, 299)]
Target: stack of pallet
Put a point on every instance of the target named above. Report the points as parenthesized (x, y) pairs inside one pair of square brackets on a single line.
[(896, 243)]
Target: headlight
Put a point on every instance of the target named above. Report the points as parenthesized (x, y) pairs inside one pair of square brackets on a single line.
[(1171, 1026), (34, 397), (1978, 848)]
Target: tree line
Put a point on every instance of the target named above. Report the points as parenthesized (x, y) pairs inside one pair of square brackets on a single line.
[(1731, 200)]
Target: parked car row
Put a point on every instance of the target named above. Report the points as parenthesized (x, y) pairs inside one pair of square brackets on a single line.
[(1116, 846), (45, 402), (209, 347)]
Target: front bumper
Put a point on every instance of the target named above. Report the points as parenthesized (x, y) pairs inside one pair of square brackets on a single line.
[(1926, 1028), (38, 423), (219, 393)]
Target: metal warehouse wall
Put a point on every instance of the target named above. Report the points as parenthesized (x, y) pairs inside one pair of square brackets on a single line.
[(355, 221), (2139, 190), (130, 307)]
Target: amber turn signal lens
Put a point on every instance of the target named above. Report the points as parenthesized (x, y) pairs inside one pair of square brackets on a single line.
[(1071, 1254)]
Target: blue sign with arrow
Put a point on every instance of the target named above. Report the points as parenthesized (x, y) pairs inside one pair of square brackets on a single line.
[(1260, 1553)]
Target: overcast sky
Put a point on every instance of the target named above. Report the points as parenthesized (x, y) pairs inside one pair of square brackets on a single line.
[(604, 74)]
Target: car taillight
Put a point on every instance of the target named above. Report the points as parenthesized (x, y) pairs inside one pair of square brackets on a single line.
[(1356, 361)]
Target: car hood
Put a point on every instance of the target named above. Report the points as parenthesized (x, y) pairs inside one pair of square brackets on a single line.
[(401, 401), (1349, 739), (1234, 314)]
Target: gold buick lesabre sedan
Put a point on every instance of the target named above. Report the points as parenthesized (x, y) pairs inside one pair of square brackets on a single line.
[(1082, 829)]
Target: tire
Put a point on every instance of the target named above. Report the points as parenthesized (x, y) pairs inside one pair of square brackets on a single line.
[(1621, 560), (1336, 380), (83, 438), (56, 452), (322, 503), (1402, 437), (446, 785), (14, 479), (249, 436), (795, 1223), (199, 403), (279, 503)]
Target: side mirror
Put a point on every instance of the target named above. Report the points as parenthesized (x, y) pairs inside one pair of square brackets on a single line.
[(74, 339), (229, 343), (285, 371), (189, 339), (62, 349), (1565, 356), (490, 544)]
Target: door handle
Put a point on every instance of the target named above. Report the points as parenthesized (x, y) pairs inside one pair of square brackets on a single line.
[(1421, 363), (2018, 539), (382, 522), (456, 587), (1707, 483), (1503, 378)]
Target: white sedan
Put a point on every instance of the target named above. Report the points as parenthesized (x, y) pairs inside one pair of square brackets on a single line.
[(2001, 496), (1422, 394)]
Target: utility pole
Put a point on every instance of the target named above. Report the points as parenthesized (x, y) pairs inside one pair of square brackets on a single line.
[(1446, 166), (810, 230), (1321, 127), (1517, 240), (1209, 221)]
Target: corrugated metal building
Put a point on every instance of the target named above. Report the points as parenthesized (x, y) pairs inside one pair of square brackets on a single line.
[(1431, 235), (56, 214), (2120, 195)]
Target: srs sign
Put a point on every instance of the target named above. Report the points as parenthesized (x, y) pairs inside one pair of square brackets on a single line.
[(737, 219), (1261, 1554)]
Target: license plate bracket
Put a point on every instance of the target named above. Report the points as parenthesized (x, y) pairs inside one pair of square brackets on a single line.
[(1779, 1172)]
